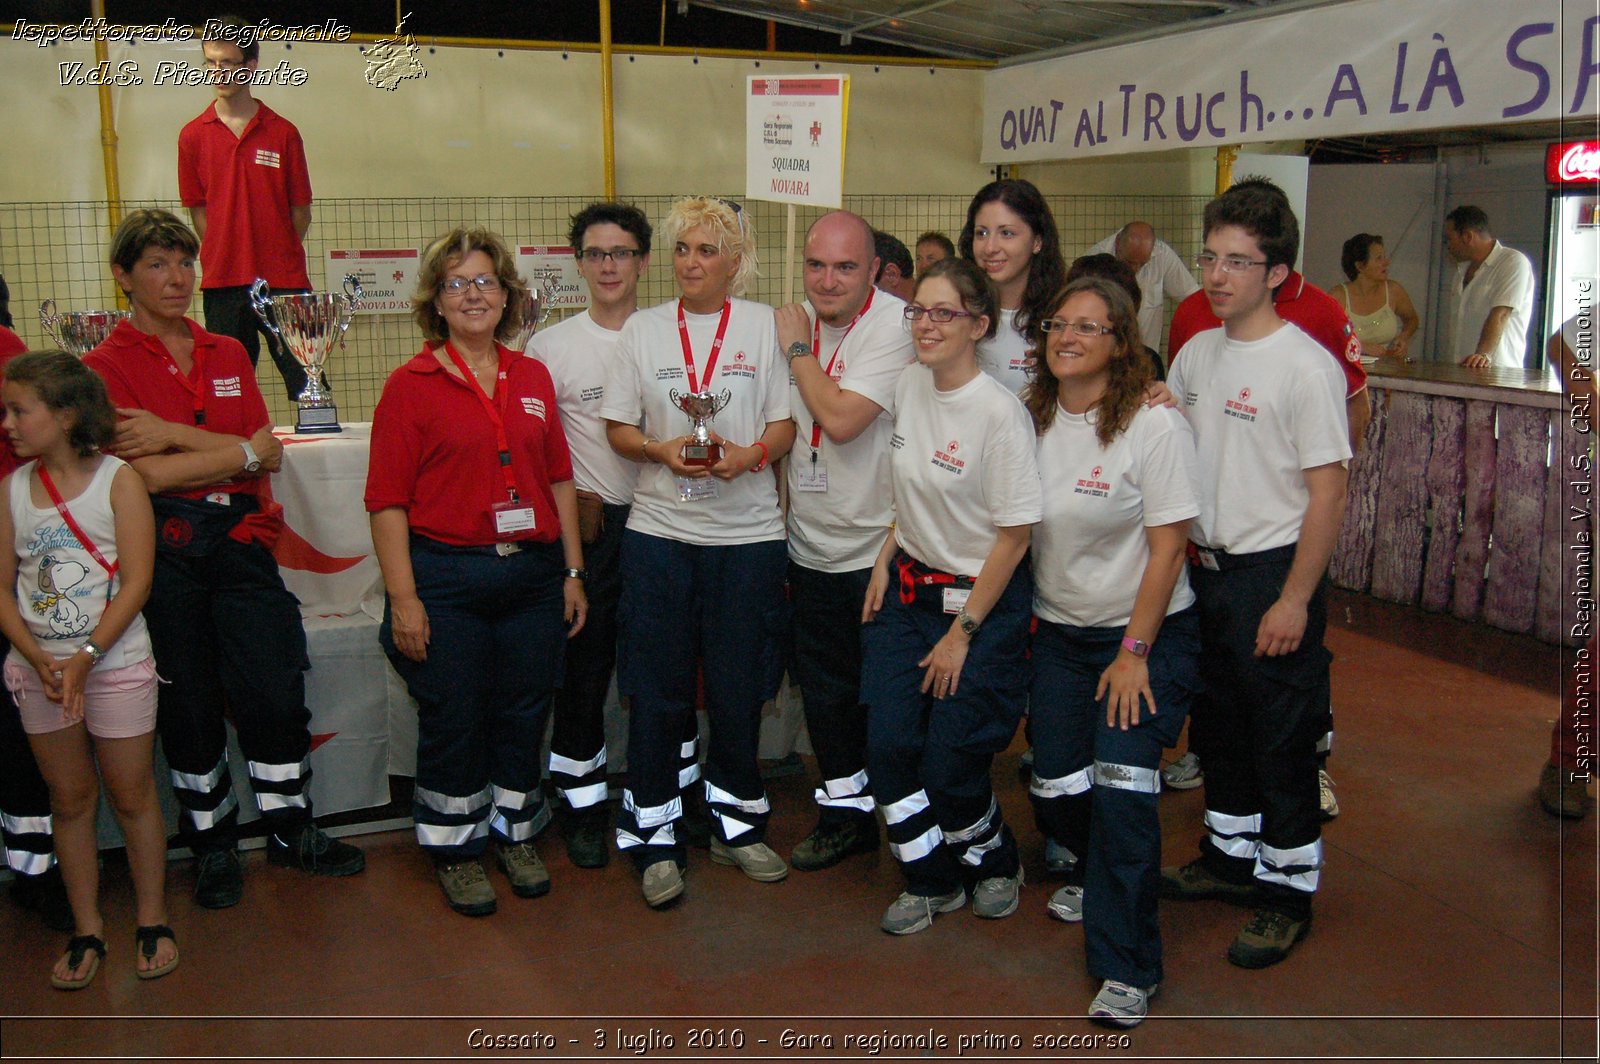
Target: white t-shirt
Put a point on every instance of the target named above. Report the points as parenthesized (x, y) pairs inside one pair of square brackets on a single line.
[(1262, 412), (1006, 357), (1163, 277), (649, 366), (1090, 550), (1504, 280), (840, 530), (963, 465), (578, 353)]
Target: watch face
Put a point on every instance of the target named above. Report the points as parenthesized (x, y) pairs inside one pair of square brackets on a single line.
[(797, 349)]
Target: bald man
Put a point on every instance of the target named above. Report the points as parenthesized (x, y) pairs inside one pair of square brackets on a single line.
[(846, 346), (1161, 273)]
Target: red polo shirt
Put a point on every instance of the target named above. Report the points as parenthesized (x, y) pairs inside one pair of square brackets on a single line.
[(1297, 300), (247, 185), (11, 346), (138, 373), (434, 452)]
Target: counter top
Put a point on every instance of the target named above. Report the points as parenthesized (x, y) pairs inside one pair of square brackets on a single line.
[(1521, 387)]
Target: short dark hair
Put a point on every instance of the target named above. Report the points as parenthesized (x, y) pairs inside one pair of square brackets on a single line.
[(888, 250), (1104, 264), (1356, 250), (150, 227), (1261, 209), (1468, 219), (1047, 270), (933, 236), (251, 48), (977, 292), (624, 216), (64, 383)]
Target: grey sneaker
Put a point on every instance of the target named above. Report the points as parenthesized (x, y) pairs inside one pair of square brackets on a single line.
[(523, 867), (1184, 774), (1121, 1005), (910, 913), (1067, 904), (997, 896), (662, 883), (757, 860), (466, 888), (1325, 798)]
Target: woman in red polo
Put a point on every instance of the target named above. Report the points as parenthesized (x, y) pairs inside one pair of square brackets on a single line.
[(475, 524)]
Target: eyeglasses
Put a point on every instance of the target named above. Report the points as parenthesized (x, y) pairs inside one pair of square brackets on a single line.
[(1229, 264), (1082, 328), (942, 315), (622, 256), (738, 211), (457, 286)]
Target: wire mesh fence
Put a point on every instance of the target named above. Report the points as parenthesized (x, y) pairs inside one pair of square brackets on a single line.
[(58, 251)]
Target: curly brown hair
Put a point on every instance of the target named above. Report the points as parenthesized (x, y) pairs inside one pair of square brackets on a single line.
[(65, 385), (445, 253), (1130, 372)]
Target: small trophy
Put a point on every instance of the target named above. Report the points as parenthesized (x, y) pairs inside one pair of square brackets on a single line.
[(78, 331), (308, 324), (701, 408), (535, 309)]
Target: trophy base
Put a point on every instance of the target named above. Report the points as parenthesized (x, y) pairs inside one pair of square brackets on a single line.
[(317, 419), (702, 454)]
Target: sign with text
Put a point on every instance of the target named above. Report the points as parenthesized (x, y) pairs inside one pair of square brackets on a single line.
[(794, 139), (1350, 69), (388, 276), (555, 271)]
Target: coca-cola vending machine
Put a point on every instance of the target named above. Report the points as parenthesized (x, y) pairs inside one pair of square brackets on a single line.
[(1572, 264)]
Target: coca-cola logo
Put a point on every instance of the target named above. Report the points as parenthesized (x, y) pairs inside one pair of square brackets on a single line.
[(1581, 162)]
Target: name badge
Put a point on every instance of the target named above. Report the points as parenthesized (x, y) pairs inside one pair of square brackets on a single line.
[(955, 598), (511, 517), (811, 476), (1208, 560), (694, 489), (221, 498)]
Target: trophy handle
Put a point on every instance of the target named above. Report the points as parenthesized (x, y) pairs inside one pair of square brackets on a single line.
[(721, 402), (261, 302), (50, 320), (354, 296)]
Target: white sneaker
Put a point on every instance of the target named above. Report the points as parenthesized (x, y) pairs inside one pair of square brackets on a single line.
[(1184, 774), (1120, 1004), (1325, 798), (1067, 904)]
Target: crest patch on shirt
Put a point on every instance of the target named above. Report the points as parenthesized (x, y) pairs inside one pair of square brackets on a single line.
[(227, 388), (533, 406), (269, 158)]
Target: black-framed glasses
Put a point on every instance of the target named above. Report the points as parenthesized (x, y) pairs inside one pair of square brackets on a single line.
[(622, 256), (1082, 328), (1228, 263), (942, 315), (457, 286)]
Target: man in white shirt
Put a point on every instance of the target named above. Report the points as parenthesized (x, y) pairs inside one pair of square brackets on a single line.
[(1161, 273), (846, 347), (1267, 408), (1491, 295)]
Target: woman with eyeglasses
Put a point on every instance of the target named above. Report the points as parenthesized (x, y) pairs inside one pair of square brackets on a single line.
[(945, 623), (475, 525), (1011, 235), (703, 556), (1116, 650), (1381, 311)]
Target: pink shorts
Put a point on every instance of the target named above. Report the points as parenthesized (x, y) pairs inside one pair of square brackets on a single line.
[(117, 703)]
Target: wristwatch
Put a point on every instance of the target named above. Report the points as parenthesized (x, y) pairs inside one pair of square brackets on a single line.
[(252, 461), (94, 652), (1137, 647), (575, 574), (965, 620), (797, 349)]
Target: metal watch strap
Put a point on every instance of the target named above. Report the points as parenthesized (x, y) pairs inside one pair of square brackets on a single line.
[(797, 349), (575, 574), (966, 621), (91, 648)]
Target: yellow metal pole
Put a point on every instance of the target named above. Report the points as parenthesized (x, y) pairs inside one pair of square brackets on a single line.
[(1226, 156), (608, 134), (108, 136)]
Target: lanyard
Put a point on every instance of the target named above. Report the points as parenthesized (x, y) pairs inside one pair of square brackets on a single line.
[(816, 349), (496, 414), (716, 345), (66, 515), (197, 392)]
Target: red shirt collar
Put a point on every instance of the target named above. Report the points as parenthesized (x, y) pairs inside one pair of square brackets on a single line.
[(263, 113), (425, 362), (1291, 289), (125, 335)]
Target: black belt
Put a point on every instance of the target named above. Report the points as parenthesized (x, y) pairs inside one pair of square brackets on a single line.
[(1222, 561)]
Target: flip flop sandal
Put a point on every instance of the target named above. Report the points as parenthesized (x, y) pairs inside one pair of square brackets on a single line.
[(79, 946), (147, 938)]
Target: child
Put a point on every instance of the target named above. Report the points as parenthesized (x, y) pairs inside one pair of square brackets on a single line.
[(80, 662)]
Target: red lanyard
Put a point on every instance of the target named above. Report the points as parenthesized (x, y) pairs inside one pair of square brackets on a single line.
[(197, 392), (66, 515), (716, 345), (816, 350), (495, 414)]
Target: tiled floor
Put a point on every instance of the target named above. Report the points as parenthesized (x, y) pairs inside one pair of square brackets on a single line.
[(1456, 920)]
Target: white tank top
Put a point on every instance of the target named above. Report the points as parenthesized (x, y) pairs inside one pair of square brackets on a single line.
[(1377, 328), (61, 589)]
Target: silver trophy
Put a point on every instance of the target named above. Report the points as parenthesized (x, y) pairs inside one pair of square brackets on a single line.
[(78, 331), (308, 324), (535, 309), (701, 408)]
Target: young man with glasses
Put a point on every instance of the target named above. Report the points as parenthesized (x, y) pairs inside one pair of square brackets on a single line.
[(846, 348), (611, 242), (242, 174), (1267, 411)]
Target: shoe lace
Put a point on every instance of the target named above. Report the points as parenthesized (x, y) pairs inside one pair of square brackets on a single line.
[(1269, 923)]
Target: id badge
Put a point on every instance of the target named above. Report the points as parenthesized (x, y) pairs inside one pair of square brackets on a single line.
[(221, 498), (512, 517), (955, 598), (811, 476), (694, 489)]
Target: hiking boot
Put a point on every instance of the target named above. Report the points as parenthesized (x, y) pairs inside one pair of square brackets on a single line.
[(1067, 904), (1195, 882), (312, 850), (1058, 860), (1184, 774), (46, 895), (1121, 1005), (662, 883), (910, 913), (831, 843), (521, 864), (1561, 795), (757, 860), (1267, 938), (1327, 804), (585, 835), (219, 879), (467, 888), (997, 896)]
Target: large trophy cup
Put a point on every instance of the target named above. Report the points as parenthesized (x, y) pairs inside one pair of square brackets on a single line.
[(701, 408), (308, 324), (78, 331), (535, 309)]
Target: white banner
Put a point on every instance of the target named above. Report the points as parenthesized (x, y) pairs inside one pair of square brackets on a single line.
[(388, 276), (555, 271), (794, 139), (1349, 69)]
